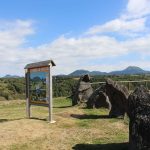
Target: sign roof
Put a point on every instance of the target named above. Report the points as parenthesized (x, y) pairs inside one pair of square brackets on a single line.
[(40, 64)]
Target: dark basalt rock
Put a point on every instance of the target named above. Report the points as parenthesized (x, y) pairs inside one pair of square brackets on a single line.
[(111, 95), (118, 96), (83, 91), (139, 114), (99, 99)]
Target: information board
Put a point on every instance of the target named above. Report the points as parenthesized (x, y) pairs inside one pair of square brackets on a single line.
[(38, 85)]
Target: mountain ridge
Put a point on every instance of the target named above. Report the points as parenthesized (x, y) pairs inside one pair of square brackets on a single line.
[(133, 70), (11, 76), (129, 70)]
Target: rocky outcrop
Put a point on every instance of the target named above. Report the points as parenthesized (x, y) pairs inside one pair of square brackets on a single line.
[(112, 95), (118, 96), (139, 114), (99, 99), (82, 91)]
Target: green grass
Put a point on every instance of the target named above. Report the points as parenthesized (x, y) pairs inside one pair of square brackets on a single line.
[(75, 128)]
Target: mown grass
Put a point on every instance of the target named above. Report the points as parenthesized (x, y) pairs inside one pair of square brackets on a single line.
[(75, 128)]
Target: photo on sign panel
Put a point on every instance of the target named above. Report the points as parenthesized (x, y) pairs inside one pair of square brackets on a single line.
[(38, 86)]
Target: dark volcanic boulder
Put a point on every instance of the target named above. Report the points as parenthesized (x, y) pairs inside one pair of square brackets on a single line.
[(83, 91), (99, 99), (139, 114), (118, 96)]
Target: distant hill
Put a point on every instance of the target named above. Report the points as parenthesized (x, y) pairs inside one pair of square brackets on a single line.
[(79, 73), (94, 73), (82, 72), (129, 70), (11, 76)]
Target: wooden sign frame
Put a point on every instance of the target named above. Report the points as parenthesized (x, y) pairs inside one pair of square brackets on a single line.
[(43, 67)]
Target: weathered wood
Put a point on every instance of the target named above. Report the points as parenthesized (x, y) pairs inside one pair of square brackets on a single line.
[(146, 84), (27, 94), (50, 96), (40, 64), (44, 66), (129, 86), (122, 81), (128, 83)]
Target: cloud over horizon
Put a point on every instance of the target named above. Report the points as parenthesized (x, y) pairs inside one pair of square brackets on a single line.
[(103, 47)]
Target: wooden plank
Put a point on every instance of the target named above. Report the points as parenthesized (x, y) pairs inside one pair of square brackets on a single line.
[(27, 94), (44, 66), (40, 69), (122, 82), (40, 64)]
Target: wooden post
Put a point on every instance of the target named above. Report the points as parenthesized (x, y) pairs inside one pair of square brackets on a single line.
[(50, 96), (146, 84), (27, 94), (129, 86), (43, 66)]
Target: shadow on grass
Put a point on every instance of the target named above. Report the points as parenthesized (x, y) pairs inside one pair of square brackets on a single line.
[(6, 120), (84, 116), (3, 120), (62, 106), (110, 146), (35, 118)]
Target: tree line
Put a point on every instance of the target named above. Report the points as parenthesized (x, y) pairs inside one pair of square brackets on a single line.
[(14, 88)]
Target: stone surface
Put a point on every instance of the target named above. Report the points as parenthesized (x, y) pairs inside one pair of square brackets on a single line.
[(82, 91), (118, 96), (99, 99), (139, 114)]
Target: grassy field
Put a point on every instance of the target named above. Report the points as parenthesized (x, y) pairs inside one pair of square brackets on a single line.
[(75, 128)]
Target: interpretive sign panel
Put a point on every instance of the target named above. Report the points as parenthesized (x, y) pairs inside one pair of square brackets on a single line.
[(39, 85)]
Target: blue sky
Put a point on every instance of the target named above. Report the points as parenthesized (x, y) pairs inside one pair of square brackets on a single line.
[(102, 35), (53, 18)]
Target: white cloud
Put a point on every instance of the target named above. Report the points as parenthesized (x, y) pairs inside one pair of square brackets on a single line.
[(78, 52), (71, 53), (141, 44), (13, 33), (12, 37), (120, 26), (131, 22), (137, 9)]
